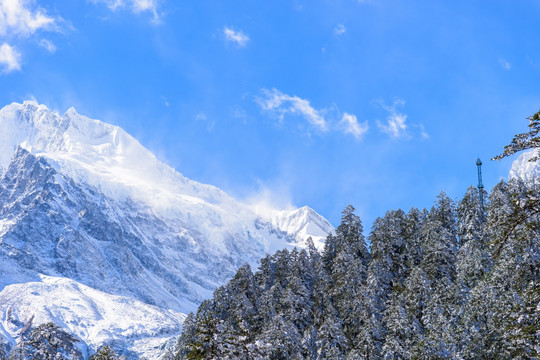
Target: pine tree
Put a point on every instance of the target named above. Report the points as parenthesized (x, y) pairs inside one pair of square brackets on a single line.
[(472, 263), (187, 338), (47, 342), (473, 260), (439, 264), (414, 299), (387, 269), (105, 353), (524, 325), (346, 258), (524, 141), (206, 342), (412, 229)]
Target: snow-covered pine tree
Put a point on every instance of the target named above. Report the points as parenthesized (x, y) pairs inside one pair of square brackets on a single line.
[(207, 341), (519, 261), (407, 332), (473, 260), (346, 259), (412, 228), (439, 264), (47, 342), (187, 338), (105, 353), (387, 270), (523, 331), (524, 141), (325, 338)]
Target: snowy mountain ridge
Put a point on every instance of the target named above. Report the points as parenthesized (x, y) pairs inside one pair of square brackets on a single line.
[(88, 214), (100, 154), (303, 223)]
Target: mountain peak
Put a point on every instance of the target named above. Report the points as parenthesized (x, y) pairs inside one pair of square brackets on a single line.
[(303, 223), (81, 199)]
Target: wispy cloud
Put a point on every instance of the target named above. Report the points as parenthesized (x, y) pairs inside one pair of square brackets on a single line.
[(324, 120), (396, 122), (505, 64), (423, 132), (10, 58), (237, 37), (396, 125), (136, 6), (270, 198), (280, 103), (350, 125), (340, 29), (21, 18), (47, 45)]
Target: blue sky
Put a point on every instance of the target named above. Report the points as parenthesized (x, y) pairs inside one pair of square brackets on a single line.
[(377, 103)]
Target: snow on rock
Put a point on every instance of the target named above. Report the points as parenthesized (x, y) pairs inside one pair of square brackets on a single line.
[(522, 168), (92, 316), (99, 236), (302, 224)]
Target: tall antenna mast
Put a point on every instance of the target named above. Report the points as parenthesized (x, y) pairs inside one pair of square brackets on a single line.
[(480, 186)]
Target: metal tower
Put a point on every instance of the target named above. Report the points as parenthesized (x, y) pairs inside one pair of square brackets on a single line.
[(480, 186)]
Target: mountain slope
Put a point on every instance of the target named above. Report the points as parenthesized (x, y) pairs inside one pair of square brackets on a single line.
[(302, 224), (83, 202), (91, 315)]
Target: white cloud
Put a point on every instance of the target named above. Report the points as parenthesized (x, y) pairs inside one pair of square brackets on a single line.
[(505, 64), (350, 125), (322, 120), (340, 29), (22, 18), (276, 101), (237, 37), (137, 6), (47, 45), (10, 58), (269, 199), (395, 125)]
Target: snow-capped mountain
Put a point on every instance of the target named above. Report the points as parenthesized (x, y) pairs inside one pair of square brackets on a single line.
[(524, 169), (91, 221), (302, 224)]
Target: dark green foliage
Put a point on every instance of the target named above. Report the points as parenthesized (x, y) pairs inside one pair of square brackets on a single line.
[(436, 285)]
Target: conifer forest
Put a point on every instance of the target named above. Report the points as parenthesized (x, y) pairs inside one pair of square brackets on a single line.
[(460, 281)]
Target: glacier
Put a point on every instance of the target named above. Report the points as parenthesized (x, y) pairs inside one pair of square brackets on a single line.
[(99, 236)]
